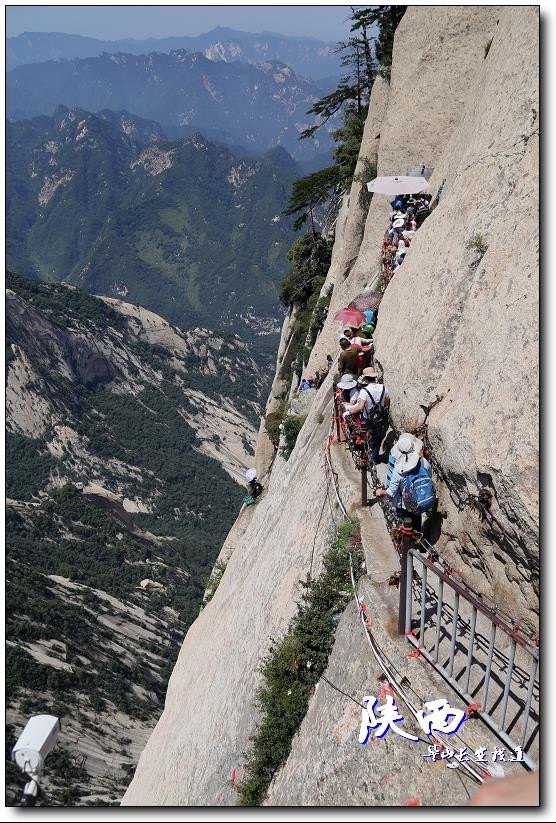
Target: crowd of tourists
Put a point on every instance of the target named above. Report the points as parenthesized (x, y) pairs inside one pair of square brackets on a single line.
[(364, 401), (407, 215)]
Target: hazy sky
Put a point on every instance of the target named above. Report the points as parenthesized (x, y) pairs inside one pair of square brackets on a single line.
[(139, 22)]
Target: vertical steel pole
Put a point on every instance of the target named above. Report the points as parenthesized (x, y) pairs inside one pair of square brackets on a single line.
[(438, 618), (407, 541), (337, 416), (364, 482), (527, 710), (507, 685)]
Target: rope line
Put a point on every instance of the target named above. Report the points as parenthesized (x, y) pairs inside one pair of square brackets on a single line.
[(315, 538), (326, 680)]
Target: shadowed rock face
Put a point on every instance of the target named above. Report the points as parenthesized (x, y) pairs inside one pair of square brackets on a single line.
[(72, 353), (450, 324)]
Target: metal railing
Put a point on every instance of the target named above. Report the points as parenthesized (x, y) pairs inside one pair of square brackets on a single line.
[(492, 664)]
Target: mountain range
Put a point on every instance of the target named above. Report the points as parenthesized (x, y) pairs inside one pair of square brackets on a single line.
[(188, 229), (306, 55), (126, 439), (256, 106)]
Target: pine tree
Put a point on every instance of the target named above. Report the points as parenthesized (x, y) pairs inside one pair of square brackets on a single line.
[(309, 192), (357, 56)]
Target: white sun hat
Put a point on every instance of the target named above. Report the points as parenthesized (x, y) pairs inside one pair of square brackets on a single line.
[(406, 443), (347, 382), (408, 459)]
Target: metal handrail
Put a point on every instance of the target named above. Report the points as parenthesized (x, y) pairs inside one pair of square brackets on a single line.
[(410, 555)]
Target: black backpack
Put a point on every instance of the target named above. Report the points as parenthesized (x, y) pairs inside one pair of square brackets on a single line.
[(377, 413)]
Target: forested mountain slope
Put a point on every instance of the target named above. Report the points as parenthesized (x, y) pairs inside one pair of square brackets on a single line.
[(187, 229), (125, 440)]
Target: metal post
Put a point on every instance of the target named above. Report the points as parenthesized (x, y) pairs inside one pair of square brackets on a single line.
[(423, 605), (407, 542), (438, 618), (470, 652), (337, 416), (507, 684), (488, 665), (527, 710), (364, 482)]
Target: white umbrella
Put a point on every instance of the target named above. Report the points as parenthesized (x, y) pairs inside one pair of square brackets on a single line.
[(403, 184), (250, 474)]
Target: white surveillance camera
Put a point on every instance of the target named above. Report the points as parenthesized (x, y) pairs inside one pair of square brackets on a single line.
[(37, 739)]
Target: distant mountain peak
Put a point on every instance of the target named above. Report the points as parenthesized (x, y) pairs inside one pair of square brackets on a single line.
[(255, 104), (308, 56), (280, 156)]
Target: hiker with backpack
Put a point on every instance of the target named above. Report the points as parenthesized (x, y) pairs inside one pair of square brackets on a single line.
[(411, 487), (395, 452), (255, 487), (372, 403)]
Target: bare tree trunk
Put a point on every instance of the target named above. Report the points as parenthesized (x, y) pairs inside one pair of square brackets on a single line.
[(313, 225)]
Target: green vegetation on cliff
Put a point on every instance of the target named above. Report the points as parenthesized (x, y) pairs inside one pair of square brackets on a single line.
[(295, 664)]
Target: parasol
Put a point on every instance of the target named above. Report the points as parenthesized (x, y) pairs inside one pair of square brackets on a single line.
[(403, 184), (366, 300), (350, 317)]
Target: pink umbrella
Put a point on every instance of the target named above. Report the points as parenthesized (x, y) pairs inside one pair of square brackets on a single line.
[(350, 317)]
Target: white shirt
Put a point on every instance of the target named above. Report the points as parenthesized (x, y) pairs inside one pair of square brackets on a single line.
[(375, 391), (362, 341)]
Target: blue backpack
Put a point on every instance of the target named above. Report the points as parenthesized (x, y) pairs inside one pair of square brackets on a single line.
[(418, 491), (391, 464)]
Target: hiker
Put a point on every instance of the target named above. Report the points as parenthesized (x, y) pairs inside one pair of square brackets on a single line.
[(422, 211), (410, 488), (397, 227), (255, 488), (371, 315), (365, 349), (347, 361), (329, 362), (305, 385), (348, 387), (395, 453), (372, 403), (400, 254), (358, 342)]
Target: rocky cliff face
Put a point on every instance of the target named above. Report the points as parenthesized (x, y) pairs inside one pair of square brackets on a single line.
[(448, 326), (450, 321)]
